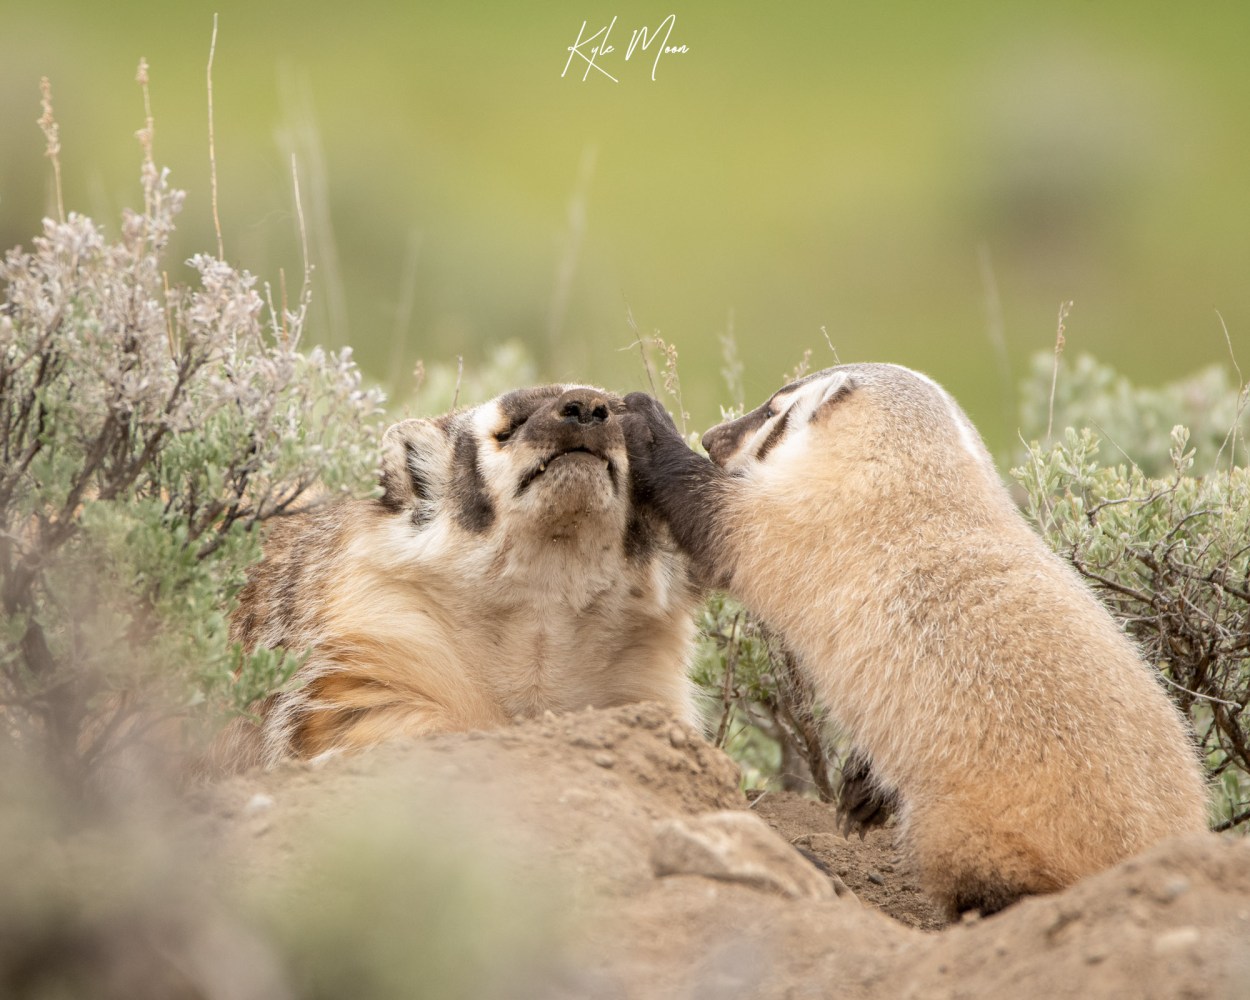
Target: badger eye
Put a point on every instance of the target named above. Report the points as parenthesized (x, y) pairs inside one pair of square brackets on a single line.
[(503, 435)]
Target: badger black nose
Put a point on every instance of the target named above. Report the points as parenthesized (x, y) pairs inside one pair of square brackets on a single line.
[(582, 406)]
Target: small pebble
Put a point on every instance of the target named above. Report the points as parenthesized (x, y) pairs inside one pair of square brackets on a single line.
[(1172, 889), (876, 879), (258, 803), (1177, 939), (604, 759), (1095, 953)]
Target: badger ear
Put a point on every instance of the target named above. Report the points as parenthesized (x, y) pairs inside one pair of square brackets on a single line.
[(832, 389), (415, 457)]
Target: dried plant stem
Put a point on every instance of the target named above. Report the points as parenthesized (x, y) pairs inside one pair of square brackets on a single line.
[(640, 343), (52, 135), (834, 350), (1064, 309), (1243, 397), (212, 149), (672, 382), (403, 311), (728, 696), (305, 292), (995, 330), (562, 288), (146, 134)]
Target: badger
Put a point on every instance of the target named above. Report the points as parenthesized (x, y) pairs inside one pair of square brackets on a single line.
[(858, 512), (507, 569)]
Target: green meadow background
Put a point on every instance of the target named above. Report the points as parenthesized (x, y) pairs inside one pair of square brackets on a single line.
[(924, 182)]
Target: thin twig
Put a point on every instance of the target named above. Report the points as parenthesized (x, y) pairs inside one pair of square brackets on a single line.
[(731, 666), (562, 287), (1243, 396), (1198, 694), (212, 149), (641, 344), (1231, 822), (825, 333), (1064, 309), (52, 136), (455, 399), (305, 292), (995, 329)]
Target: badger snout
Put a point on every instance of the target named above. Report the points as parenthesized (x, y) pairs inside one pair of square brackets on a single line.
[(580, 425), (721, 442), (583, 406), (580, 419)]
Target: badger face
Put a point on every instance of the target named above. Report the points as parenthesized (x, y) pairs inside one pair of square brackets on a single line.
[(781, 422), (550, 458), (554, 452), (863, 404)]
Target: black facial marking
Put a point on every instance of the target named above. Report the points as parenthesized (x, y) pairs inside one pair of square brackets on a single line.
[(775, 435), (468, 494), (519, 405), (390, 498), (516, 424), (290, 588), (420, 485)]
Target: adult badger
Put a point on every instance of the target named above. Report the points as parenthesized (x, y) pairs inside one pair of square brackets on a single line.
[(505, 571), (859, 514)]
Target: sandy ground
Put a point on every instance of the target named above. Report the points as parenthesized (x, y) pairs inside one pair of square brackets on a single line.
[(602, 854)]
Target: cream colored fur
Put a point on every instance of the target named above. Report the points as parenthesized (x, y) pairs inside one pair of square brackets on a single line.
[(415, 624), (1027, 741)]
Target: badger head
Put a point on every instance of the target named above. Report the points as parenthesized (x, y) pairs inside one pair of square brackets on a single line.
[(547, 462), (867, 408)]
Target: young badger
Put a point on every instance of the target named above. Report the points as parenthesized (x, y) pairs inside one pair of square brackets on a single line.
[(858, 512), (506, 570)]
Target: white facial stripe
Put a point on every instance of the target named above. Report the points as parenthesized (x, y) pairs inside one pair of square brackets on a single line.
[(967, 435), (485, 420), (794, 406)]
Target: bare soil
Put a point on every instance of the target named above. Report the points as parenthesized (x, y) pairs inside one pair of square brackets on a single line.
[(555, 828), (601, 854)]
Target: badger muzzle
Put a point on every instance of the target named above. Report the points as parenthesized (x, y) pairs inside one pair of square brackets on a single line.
[(576, 432)]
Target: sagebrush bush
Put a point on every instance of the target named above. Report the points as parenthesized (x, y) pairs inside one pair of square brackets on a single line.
[(1135, 422), (758, 704), (145, 432), (1170, 556)]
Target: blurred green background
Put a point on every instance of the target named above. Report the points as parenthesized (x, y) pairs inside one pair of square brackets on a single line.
[(927, 182)]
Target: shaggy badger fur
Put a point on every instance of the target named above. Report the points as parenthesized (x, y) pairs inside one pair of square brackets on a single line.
[(859, 514), (505, 571)]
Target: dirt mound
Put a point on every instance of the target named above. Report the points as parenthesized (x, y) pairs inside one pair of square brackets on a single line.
[(600, 854), (872, 867)]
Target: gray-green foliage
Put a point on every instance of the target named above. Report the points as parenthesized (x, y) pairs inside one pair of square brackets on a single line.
[(761, 708), (1135, 422), (1169, 553), (145, 431)]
